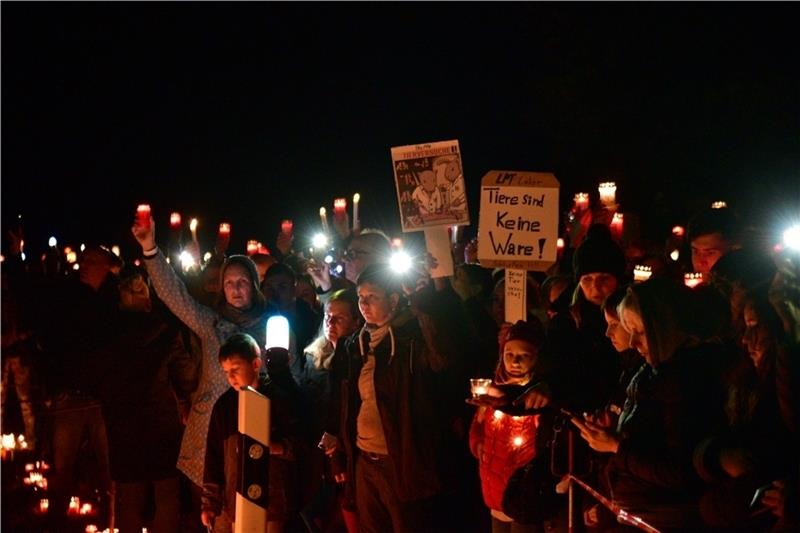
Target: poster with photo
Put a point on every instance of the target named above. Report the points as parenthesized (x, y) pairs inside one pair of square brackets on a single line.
[(430, 185)]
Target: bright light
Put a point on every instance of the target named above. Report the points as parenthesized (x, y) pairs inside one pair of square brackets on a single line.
[(498, 415), (76, 266), (193, 225), (22, 255), (719, 205), (277, 332), (400, 262), (2, 258), (52, 242), (320, 240), (83, 247), (339, 269), (187, 261), (559, 243), (791, 237), (674, 255), (328, 259), (356, 198), (115, 250), (518, 441), (678, 231), (72, 257), (206, 257), (137, 262)]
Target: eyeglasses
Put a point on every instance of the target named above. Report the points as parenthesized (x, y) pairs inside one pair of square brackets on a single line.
[(351, 255)]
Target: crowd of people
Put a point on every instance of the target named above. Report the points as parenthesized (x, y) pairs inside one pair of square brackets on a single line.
[(678, 404)]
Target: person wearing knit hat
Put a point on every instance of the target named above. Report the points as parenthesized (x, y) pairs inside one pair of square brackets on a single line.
[(599, 264)]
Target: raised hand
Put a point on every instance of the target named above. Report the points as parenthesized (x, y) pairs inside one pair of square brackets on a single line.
[(145, 236)]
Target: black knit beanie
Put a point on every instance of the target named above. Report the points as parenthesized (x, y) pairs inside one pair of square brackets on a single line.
[(598, 253)]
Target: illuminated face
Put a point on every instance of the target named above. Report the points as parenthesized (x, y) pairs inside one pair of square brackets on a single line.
[(357, 257), (338, 321), (706, 251), (428, 180), (756, 338), (238, 286), (518, 358), (596, 286), (375, 305), (620, 338), (635, 326), (241, 373)]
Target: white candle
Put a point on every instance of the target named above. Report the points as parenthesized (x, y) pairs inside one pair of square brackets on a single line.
[(608, 193), (581, 201), (356, 222), (323, 216), (193, 228)]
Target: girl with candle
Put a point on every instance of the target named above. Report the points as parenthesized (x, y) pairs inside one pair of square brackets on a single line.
[(503, 443)]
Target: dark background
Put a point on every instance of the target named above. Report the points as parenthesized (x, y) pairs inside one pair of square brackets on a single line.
[(258, 112)]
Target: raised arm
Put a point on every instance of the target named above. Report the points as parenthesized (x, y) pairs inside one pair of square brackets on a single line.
[(169, 287)]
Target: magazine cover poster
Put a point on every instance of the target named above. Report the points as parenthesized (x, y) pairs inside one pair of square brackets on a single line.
[(430, 185)]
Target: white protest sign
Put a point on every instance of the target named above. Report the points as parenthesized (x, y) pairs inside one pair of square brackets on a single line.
[(518, 223), (437, 241), (516, 291)]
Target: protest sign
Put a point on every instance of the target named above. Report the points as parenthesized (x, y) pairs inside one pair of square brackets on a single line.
[(518, 223), (430, 185)]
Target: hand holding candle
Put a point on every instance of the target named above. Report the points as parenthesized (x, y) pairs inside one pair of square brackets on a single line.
[(479, 386), (145, 235)]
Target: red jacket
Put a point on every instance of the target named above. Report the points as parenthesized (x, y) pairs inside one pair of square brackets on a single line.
[(502, 443)]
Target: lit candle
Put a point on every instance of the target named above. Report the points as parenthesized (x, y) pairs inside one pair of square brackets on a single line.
[(74, 505), (252, 247), (498, 415), (29, 467), (678, 231), (479, 386), (339, 208), (86, 508), (323, 216), (518, 441), (91, 528), (115, 250), (608, 193), (143, 215), (559, 247), (44, 505), (224, 229), (617, 222), (692, 279), (581, 201), (175, 220), (642, 273), (719, 204), (52, 242), (356, 221), (286, 227), (263, 249), (193, 228), (207, 256)]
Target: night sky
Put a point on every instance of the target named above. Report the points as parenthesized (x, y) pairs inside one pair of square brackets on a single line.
[(258, 112)]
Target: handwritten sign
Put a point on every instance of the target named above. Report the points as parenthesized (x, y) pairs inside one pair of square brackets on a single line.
[(516, 288), (430, 185), (518, 226)]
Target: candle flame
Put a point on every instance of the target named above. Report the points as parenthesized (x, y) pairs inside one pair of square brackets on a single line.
[(719, 204), (193, 225), (356, 198), (175, 219)]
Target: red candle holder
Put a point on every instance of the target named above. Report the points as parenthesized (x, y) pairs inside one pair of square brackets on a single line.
[(224, 229), (175, 220), (143, 215), (287, 226)]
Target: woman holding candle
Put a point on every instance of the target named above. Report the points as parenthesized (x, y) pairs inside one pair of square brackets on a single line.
[(503, 443), (240, 308)]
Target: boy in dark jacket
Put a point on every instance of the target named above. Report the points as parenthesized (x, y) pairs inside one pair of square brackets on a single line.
[(240, 360)]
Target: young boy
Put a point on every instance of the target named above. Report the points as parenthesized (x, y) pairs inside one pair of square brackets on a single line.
[(240, 358)]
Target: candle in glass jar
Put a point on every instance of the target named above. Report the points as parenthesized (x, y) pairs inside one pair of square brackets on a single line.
[(479, 386), (175, 220), (287, 226), (608, 193), (692, 279), (143, 215), (224, 229), (719, 204), (617, 222), (642, 272), (339, 208), (581, 201), (44, 505), (74, 505), (252, 247)]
